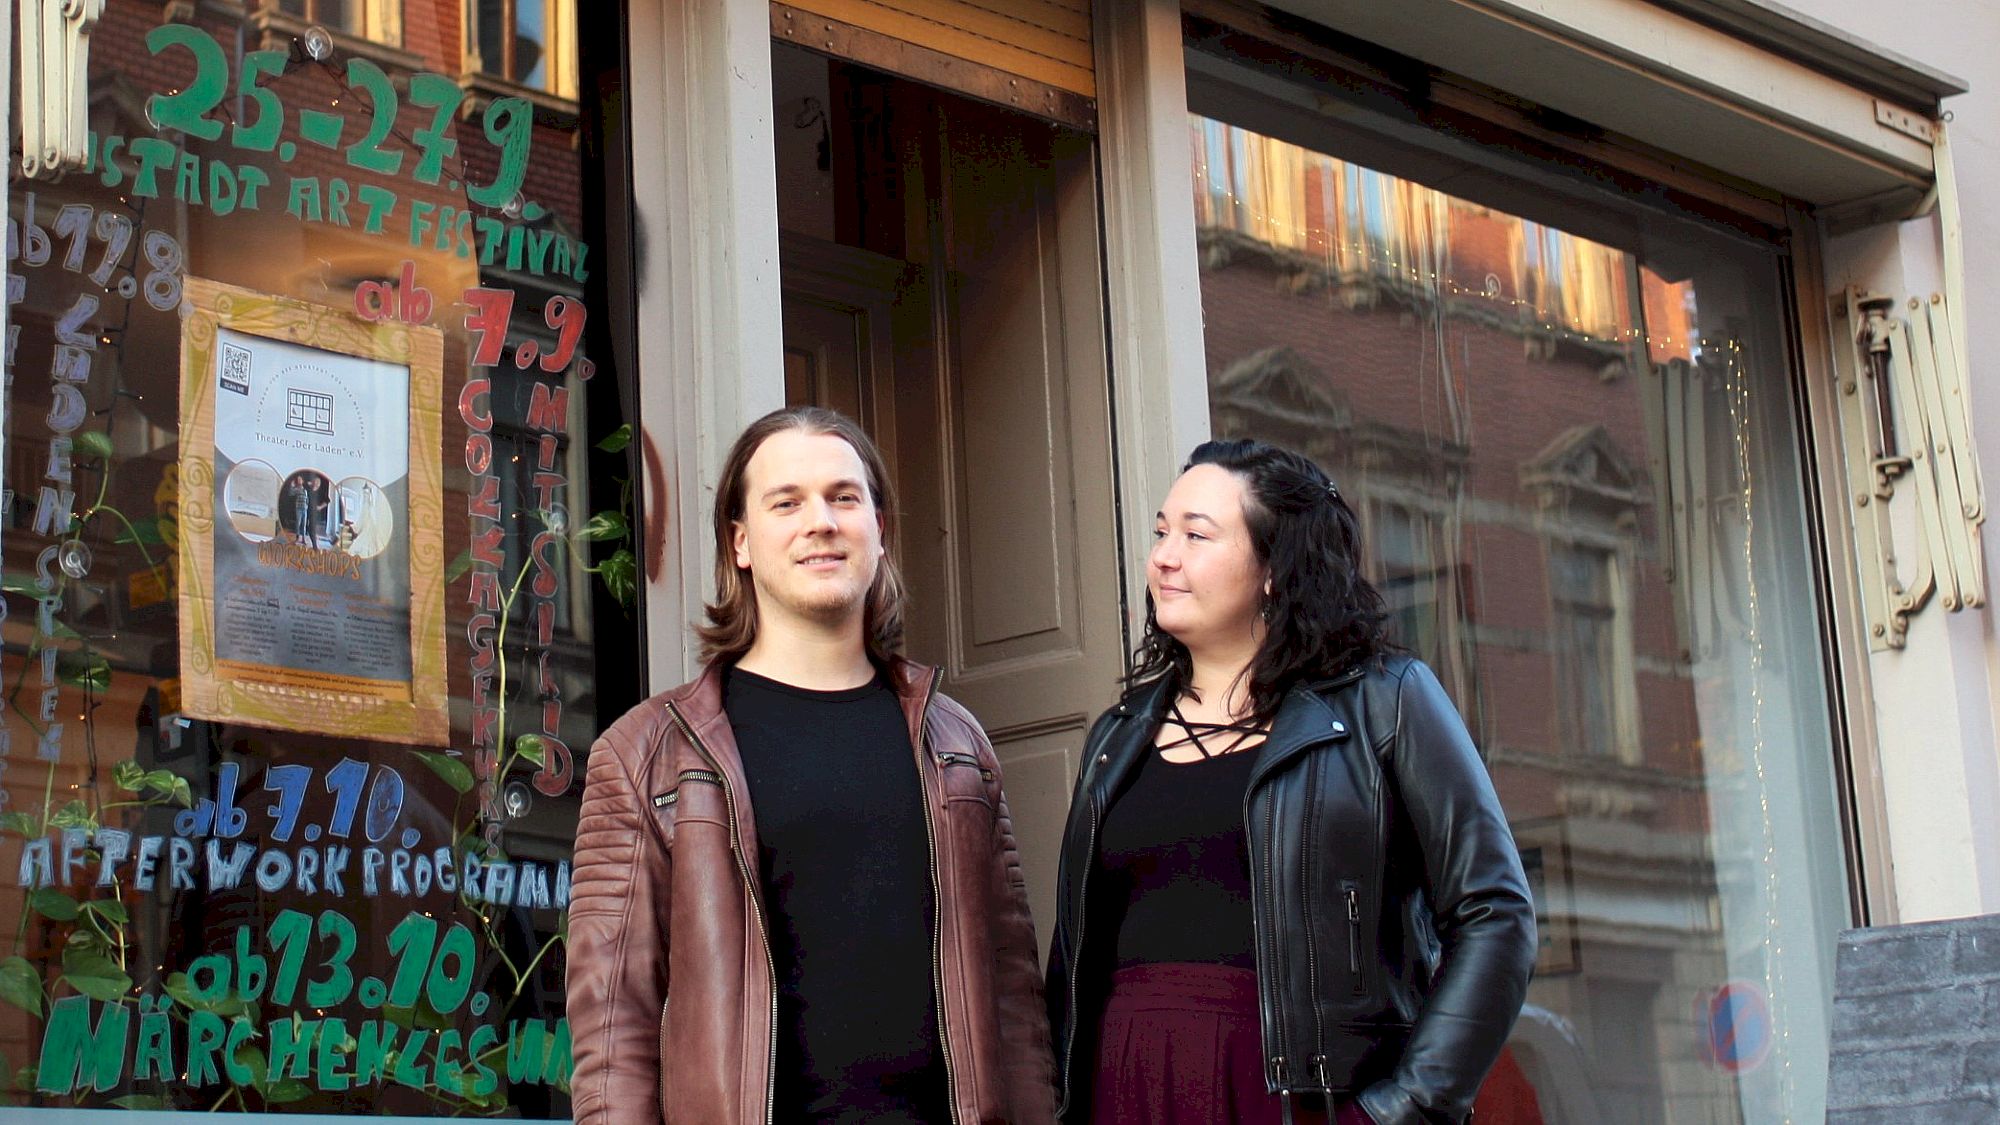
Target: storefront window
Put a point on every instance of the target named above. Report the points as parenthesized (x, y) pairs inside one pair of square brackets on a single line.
[(318, 570), (1576, 462)]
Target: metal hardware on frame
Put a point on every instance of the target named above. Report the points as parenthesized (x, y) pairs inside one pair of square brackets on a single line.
[(1904, 419), (55, 67), (1913, 125)]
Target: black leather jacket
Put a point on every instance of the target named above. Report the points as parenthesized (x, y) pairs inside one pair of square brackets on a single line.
[(1394, 930)]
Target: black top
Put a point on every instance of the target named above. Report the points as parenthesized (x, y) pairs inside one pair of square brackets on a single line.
[(1176, 863), (844, 858)]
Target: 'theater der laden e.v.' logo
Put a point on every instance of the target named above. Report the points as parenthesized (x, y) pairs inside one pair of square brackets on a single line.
[(309, 412)]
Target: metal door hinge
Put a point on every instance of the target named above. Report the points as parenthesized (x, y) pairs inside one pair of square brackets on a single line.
[(55, 70), (1914, 125), (1904, 420)]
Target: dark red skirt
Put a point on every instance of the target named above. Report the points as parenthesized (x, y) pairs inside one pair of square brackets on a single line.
[(1180, 1045)]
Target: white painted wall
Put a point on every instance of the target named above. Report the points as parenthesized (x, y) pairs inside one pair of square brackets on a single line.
[(1938, 702)]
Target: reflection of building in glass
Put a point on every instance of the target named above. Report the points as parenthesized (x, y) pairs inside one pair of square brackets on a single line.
[(377, 20), (1526, 422)]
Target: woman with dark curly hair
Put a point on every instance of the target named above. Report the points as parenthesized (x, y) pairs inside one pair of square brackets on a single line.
[(1287, 887)]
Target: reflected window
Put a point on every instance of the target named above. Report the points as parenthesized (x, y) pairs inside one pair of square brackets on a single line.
[(527, 42), (1589, 659), (380, 21)]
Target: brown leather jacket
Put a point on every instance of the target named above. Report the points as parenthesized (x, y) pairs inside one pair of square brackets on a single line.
[(671, 1001)]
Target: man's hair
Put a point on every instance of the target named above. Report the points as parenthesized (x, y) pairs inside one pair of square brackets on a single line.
[(1322, 614), (732, 616)]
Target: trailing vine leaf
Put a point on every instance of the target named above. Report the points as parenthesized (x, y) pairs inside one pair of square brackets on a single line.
[(147, 531), (531, 748), (109, 909), (27, 824), (458, 566), (75, 814), (140, 1101), (21, 985), (91, 443), (128, 775), (92, 973), (252, 1059), (616, 440), (286, 1090), (86, 938), (85, 669), (453, 771), (604, 525), (181, 989), (168, 785), (620, 573), (21, 584), (52, 904)]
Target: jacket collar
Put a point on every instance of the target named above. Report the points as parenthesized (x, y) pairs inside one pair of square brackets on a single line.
[(699, 701), (1304, 719)]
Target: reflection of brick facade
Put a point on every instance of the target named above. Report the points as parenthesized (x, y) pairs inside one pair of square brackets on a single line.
[(1454, 416), (1383, 362)]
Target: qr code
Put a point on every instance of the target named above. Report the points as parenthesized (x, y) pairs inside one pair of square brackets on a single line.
[(235, 374)]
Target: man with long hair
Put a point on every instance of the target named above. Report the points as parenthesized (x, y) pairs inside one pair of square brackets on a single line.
[(796, 892)]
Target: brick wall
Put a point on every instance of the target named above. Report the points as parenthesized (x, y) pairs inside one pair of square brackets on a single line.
[(1916, 1025)]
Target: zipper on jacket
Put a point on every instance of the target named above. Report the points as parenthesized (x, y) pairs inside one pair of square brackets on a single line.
[(664, 1001), (1352, 892), (756, 910), (1306, 914), (965, 760), (1068, 1068), (937, 899), (1271, 986)]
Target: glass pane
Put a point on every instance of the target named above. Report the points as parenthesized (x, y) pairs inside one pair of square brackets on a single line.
[(342, 14), (530, 42), (492, 24), (1575, 461), (312, 400)]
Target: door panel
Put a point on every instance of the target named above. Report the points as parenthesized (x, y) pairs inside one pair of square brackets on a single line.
[(1031, 625)]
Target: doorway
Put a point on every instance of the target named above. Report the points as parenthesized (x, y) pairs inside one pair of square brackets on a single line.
[(940, 264)]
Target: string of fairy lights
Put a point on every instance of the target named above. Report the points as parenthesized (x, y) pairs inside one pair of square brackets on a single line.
[(1737, 385)]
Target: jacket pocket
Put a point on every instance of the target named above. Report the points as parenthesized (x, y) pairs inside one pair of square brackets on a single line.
[(962, 777), (1361, 1053), (1350, 894), (696, 796)]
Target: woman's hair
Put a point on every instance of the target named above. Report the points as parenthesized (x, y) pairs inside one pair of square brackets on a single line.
[(732, 617), (1322, 615)]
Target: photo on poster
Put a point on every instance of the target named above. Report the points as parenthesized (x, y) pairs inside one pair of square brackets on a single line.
[(320, 609)]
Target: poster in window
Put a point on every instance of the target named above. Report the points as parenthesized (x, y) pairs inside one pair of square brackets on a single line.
[(311, 585)]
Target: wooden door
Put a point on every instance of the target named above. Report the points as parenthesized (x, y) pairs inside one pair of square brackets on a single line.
[(989, 395)]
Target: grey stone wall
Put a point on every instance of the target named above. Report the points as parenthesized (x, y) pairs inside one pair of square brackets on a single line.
[(1916, 1025)]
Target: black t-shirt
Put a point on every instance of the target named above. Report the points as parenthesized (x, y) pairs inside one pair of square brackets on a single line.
[(1176, 863), (844, 858)]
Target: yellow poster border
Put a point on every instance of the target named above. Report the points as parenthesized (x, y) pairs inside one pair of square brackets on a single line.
[(312, 703)]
